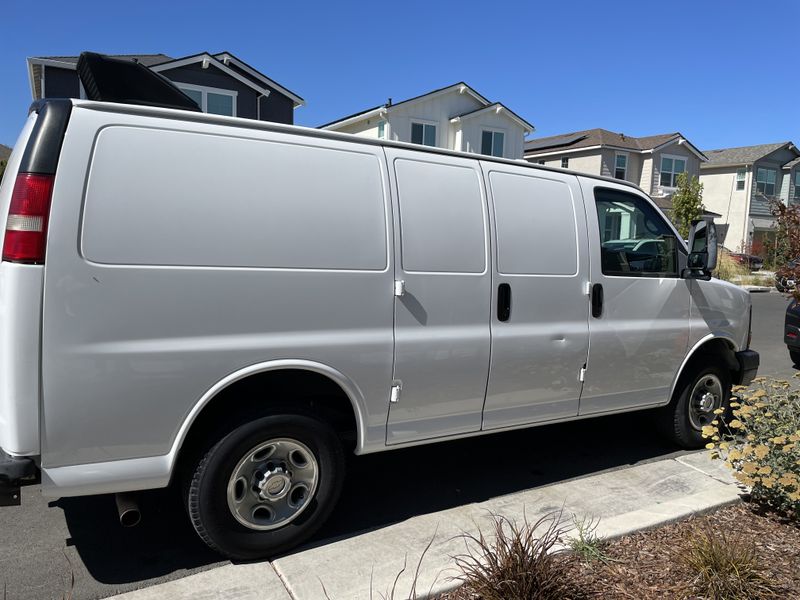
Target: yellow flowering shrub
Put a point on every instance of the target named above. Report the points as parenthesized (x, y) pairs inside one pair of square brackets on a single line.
[(761, 443)]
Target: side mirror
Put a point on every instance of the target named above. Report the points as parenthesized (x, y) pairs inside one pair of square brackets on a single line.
[(702, 250)]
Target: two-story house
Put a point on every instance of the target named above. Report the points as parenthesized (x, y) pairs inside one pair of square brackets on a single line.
[(739, 183), (651, 162), (220, 83), (454, 117)]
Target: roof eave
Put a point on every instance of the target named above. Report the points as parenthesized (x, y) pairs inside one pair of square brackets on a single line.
[(357, 118)]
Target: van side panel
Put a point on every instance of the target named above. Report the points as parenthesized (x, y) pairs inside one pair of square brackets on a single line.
[(20, 328), (196, 254)]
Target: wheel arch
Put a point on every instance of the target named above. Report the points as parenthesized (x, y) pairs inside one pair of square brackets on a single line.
[(253, 373), (710, 345)]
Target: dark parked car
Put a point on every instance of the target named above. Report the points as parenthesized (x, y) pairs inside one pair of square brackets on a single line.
[(751, 261), (791, 334), (786, 284)]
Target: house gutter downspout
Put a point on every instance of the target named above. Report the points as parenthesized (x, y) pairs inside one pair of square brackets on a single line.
[(258, 105)]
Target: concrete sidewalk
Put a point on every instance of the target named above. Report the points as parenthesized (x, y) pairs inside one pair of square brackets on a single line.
[(624, 500)]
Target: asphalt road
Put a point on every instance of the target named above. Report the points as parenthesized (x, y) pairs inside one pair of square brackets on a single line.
[(75, 548)]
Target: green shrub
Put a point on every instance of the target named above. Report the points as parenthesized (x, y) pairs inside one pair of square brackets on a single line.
[(761, 443)]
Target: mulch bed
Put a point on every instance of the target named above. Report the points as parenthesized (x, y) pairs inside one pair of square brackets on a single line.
[(648, 564)]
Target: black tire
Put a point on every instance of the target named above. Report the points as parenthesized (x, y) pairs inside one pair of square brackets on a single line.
[(677, 422), (207, 494), (795, 356)]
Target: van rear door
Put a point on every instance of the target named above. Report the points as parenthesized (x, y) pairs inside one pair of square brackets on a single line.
[(540, 329), (442, 302)]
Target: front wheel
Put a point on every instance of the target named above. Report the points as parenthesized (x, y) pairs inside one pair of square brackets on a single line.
[(266, 486), (698, 396)]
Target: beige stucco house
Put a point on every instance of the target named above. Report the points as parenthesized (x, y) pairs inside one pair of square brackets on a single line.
[(651, 162), (455, 117), (738, 183)]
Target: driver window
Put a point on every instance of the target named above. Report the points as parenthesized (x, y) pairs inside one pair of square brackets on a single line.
[(635, 241)]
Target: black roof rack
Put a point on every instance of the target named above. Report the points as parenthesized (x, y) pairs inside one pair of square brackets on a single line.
[(108, 79)]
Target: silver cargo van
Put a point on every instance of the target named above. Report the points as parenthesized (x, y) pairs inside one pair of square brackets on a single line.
[(231, 306)]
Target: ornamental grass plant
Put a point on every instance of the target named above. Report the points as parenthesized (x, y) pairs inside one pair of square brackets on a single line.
[(761, 442)]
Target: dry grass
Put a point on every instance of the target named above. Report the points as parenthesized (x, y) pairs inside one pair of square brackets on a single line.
[(730, 270), (727, 567)]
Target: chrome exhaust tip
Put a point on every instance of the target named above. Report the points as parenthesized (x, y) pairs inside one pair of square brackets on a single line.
[(128, 509)]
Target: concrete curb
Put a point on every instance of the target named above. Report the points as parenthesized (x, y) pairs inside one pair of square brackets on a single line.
[(364, 566)]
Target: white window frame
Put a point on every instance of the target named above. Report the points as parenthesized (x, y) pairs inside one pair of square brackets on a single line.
[(743, 180), (384, 123), (494, 130), (766, 183), (674, 177), (565, 162), (423, 122), (625, 174), (204, 89)]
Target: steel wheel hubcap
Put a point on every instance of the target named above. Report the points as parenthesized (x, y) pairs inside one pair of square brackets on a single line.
[(272, 484), (706, 397)]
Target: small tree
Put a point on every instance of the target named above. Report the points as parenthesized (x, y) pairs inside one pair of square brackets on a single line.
[(687, 203), (787, 242)]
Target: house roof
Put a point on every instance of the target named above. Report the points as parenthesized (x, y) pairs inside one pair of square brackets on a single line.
[(163, 62), (792, 163), (463, 87), (597, 138), (146, 59), (742, 155), (496, 107)]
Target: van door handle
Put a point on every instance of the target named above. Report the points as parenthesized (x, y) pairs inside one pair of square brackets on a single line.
[(503, 302), (597, 300)]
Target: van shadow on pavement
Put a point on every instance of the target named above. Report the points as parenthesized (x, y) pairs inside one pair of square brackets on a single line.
[(380, 489)]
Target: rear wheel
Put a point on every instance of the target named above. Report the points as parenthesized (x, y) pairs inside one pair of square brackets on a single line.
[(266, 486), (706, 389), (795, 356)]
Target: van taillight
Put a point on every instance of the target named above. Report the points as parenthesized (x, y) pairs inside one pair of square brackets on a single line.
[(26, 227)]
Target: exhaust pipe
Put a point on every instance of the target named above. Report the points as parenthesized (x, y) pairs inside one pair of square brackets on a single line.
[(128, 509)]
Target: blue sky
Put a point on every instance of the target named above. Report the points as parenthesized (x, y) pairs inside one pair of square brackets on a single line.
[(721, 72)]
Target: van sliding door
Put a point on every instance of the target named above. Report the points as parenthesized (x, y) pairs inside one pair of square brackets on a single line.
[(540, 329), (442, 296)]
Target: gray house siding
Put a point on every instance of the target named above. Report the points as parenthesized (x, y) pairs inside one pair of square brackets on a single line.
[(61, 83), (692, 164), (759, 204), (275, 107)]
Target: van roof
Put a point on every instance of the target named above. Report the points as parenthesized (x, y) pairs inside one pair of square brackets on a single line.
[(239, 122)]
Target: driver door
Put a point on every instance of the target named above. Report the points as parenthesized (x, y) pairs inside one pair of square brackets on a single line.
[(640, 335)]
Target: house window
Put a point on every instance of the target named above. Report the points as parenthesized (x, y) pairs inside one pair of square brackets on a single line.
[(740, 176), (565, 163), (541, 162), (765, 181), (423, 133), (671, 167), (492, 143), (214, 101), (381, 129), (621, 166), (797, 185)]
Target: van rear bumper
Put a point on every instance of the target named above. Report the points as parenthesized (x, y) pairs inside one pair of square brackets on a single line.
[(13, 469), (749, 361)]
